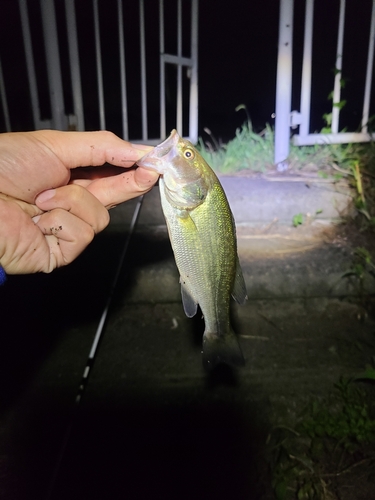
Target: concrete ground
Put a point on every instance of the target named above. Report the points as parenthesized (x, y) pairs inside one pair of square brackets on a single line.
[(151, 423)]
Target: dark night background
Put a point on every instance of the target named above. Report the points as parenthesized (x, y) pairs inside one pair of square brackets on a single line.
[(237, 62), (237, 65)]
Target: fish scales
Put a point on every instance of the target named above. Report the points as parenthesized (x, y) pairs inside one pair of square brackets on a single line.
[(202, 233), (209, 261)]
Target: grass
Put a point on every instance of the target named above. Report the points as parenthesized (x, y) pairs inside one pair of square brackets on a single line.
[(247, 150), (255, 152), (332, 438)]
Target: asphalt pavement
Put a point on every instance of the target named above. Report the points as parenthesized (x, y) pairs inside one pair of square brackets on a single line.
[(150, 422)]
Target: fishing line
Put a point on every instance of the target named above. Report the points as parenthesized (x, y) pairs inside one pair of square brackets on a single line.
[(93, 350)]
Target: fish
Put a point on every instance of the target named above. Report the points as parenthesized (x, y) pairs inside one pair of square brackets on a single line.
[(202, 232)]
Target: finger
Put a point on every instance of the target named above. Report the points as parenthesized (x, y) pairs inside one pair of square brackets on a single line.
[(67, 236), (43, 159), (28, 208), (80, 149), (111, 191), (22, 248), (79, 202)]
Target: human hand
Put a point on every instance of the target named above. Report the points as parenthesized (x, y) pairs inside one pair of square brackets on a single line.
[(50, 210)]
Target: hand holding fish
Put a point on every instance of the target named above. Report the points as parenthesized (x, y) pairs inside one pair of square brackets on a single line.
[(50, 208)]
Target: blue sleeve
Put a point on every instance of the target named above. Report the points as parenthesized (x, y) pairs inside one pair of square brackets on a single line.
[(3, 276)]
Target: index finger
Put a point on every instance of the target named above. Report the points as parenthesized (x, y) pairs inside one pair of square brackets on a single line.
[(81, 149), (32, 162)]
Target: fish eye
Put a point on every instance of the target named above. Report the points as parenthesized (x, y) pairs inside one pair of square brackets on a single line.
[(189, 154)]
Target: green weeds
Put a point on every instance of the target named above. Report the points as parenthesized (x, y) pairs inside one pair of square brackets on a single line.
[(298, 220), (247, 150), (331, 438), (251, 151), (361, 268), (254, 152), (346, 422)]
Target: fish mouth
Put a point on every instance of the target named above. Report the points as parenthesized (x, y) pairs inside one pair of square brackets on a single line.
[(157, 157), (164, 148)]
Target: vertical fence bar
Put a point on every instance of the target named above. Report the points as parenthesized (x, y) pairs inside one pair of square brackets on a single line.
[(193, 108), (75, 73), (26, 35), (284, 84), (337, 85), (179, 70), (143, 70), (59, 120), (4, 102), (124, 102), (162, 71), (306, 69), (370, 61), (99, 70)]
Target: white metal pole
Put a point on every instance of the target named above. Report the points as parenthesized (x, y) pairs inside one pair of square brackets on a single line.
[(340, 138), (99, 70), (162, 71), (4, 102), (124, 102), (304, 128), (143, 70), (193, 111), (337, 85), (26, 35), (71, 26), (179, 70), (370, 61), (284, 84), (59, 120)]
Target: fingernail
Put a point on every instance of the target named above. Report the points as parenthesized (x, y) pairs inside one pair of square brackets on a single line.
[(46, 195), (36, 219)]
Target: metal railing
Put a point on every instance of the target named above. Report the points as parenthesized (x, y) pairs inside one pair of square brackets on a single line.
[(285, 118), (185, 113)]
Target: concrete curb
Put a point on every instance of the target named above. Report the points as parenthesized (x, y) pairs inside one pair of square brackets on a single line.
[(278, 260), (260, 200)]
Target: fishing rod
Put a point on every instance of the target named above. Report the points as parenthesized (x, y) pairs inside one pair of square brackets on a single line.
[(93, 351)]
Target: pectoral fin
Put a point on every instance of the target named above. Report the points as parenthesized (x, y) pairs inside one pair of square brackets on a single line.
[(239, 288), (190, 305)]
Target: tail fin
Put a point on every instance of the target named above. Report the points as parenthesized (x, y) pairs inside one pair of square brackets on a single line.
[(221, 349)]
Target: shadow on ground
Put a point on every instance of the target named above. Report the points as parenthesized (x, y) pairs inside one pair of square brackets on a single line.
[(167, 447)]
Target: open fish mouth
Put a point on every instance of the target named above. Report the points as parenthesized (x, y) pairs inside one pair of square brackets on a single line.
[(156, 158), (164, 148), (162, 151)]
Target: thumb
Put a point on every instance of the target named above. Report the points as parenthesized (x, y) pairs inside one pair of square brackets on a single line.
[(111, 191), (144, 178)]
